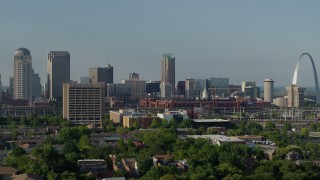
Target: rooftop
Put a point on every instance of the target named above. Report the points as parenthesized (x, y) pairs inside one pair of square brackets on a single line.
[(210, 120), (22, 52), (220, 138)]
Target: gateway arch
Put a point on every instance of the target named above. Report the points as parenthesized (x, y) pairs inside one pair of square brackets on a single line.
[(316, 83)]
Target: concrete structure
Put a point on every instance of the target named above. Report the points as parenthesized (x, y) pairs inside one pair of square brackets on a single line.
[(168, 71), (84, 104), (199, 86), (84, 80), (295, 96), (252, 92), (0, 89), (211, 123), (166, 90), (137, 86), (117, 116), (219, 139), (189, 88), (220, 85), (123, 90), (178, 115), (101, 74), (111, 90), (143, 121), (36, 85), (22, 77), (246, 84), (58, 72), (153, 88), (281, 102), (268, 93), (180, 88), (11, 87)]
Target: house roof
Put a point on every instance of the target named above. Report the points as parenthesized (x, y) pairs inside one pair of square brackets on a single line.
[(8, 170), (27, 177)]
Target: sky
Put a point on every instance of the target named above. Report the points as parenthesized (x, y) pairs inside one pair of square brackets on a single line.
[(239, 39)]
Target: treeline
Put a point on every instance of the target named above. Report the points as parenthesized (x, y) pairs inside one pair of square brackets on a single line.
[(33, 121)]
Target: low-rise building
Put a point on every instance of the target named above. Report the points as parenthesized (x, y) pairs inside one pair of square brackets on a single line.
[(211, 123), (178, 115), (143, 121), (219, 139)]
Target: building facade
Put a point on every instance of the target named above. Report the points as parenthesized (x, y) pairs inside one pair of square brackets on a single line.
[(246, 84), (180, 88), (22, 77), (0, 89), (189, 88), (58, 73), (137, 86), (166, 90), (268, 85), (220, 86), (36, 85), (153, 88), (101, 74), (168, 71), (295, 96), (84, 104)]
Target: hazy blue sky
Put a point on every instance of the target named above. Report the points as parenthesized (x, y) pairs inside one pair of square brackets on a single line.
[(239, 39)]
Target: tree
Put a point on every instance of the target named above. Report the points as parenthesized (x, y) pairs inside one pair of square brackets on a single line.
[(187, 123), (84, 145), (70, 146), (270, 126), (287, 127), (305, 133), (144, 164), (225, 169), (135, 125), (18, 152), (159, 141), (47, 155), (155, 123)]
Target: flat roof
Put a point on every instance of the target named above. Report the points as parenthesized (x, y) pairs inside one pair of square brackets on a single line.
[(210, 120), (221, 138)]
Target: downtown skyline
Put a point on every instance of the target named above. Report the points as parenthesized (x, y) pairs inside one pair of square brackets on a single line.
[(242, 40)]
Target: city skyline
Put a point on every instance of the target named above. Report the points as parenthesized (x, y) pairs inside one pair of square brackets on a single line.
[(242, 40)]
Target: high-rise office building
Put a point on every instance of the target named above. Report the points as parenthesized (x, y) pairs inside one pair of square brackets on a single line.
[(268, 90), (166, 90), (101, 74), (137, 86), (11, 88), (58, 73), (189, 89), (36, 85), (153, 88), (168, 72), (246, 84), (180, 88), (22, 77), (0, 89), (295, 96), (219, 85), (84, 104), (199, 86)]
